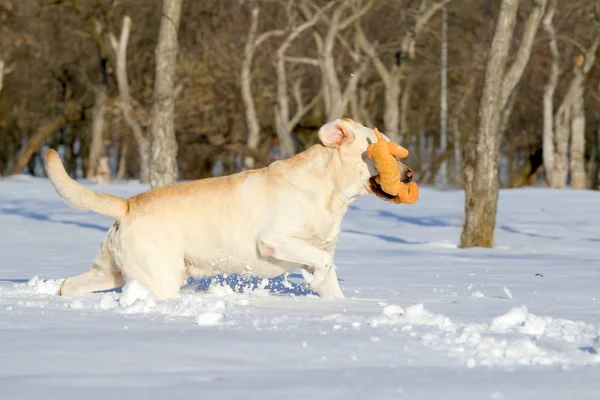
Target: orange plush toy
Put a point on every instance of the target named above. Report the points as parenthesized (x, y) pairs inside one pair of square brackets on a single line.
[(384, 154)]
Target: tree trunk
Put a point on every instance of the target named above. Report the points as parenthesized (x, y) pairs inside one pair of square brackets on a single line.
[(33, 144), (252, 43), (163, 165), (122, 81), (592, 167), (144, 148), (1, 71), (553, 157), (404, 135), (246, 86), (562, 134), (97, 142), (570, 117), (578, 176), (458, 163), (482, 198), (456, 130), (122, 162), (391, 111), (282, 111), (443, 172)]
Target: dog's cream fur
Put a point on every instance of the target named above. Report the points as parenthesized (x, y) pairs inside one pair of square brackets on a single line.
[(262, 222)]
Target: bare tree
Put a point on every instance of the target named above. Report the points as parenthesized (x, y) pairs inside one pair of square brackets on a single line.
[(284, 122), (138, 133), (69, 41), (103, 175), (163, 165), (1, 80), (396, 109), (252, 43), (594, 160), (583, 65), (443, 172), (497, 100), (97, 141), (457, 114), (336, 98), (573, 110), (96, 21), (554, 145), (578, 175), (122, 161), (517, 68), (391, 81), (407, 54), (569, 119), (1, 71), (515, 72), (482, 195)]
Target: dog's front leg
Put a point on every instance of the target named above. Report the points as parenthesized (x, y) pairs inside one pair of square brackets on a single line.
[(319, 263)]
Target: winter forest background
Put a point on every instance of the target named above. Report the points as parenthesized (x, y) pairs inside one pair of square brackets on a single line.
[(470, 87)]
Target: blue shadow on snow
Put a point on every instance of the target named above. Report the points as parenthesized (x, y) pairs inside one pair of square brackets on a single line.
[(243, 283), (508, 229), (45, 218), (426, 221), (386, 238)]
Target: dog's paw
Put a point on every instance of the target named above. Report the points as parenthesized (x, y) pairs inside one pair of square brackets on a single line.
[(319, 276)]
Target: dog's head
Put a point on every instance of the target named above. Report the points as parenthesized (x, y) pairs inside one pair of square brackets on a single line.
[(356, 170)]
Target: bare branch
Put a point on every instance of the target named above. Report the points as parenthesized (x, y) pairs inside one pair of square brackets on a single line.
[(336, 98), (369, 48), (425, 13), (301, 109), (590, 55), (514, 74), (352, 84), (301, 28), (348, 21), (114, 43), (302, 60), (268, 35)]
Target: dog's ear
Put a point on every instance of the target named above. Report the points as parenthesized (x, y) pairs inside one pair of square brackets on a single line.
[(336, 133)]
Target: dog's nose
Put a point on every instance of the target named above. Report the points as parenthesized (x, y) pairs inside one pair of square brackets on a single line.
[(408, 177)]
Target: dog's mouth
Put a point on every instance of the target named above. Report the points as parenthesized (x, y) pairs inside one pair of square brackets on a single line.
[(377, 190)]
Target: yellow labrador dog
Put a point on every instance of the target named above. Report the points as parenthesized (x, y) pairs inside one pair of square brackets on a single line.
[(262, 222)]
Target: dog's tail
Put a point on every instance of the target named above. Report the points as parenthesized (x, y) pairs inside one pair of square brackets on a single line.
[(78, 196)]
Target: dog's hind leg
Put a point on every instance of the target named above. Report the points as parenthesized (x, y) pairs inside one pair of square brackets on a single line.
[(103, 275), (152, 262)]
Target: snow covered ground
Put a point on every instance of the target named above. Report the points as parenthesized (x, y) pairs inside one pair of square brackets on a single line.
[(422, 319)]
